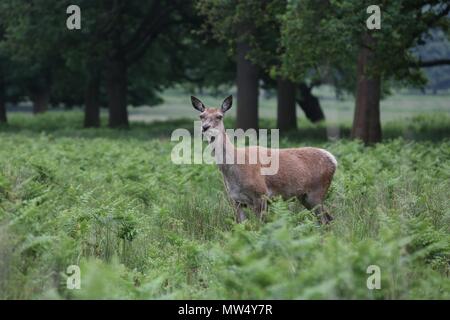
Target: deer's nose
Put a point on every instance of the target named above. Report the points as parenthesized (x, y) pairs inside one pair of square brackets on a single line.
[(205, 127)]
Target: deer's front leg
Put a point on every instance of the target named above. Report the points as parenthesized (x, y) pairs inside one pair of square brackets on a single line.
[(260, 207), (240, 215)]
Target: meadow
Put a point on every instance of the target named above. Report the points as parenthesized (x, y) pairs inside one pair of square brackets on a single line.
[(141, 227)]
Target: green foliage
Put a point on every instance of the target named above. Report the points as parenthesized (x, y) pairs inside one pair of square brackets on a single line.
[(112, 202), (38, 53), (325, 36), (255, 22)]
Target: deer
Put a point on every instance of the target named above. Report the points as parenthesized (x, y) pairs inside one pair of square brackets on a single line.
[(303, 173)]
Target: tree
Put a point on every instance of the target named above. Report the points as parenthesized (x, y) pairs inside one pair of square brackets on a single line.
[(334, 34), (118, 37), (267, 52), (114, 37), (132, 27), (286, 111), (247, 88), (53, 61), (205, 64), (3, 118), (252, 29), (366, 121), (11, 90), (309, 103), (233, 22), (31, 47)]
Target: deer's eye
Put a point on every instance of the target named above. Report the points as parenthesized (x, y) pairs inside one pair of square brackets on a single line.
[(202, 116), (219, 117)]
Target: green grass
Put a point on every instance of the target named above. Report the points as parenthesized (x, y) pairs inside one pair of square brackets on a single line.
[(112, 202)]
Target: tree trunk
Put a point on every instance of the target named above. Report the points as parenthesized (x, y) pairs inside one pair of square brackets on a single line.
[(247, 90), (286, 110), (40, 97), (3, 118), (91, 101), (310, 104), (116, 90), (366, 121)]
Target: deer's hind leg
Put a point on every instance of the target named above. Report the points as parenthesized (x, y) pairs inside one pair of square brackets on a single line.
[(313, 200)]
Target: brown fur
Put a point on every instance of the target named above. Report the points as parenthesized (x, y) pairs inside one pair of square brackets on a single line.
[(304, 173)]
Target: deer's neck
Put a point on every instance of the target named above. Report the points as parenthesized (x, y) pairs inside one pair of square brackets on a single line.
[(226, 152)]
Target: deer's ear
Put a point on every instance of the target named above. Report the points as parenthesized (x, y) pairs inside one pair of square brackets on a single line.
[(226, 104), (197, 104)]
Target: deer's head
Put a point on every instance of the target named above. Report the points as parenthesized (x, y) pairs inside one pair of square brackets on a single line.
[(212, 118)]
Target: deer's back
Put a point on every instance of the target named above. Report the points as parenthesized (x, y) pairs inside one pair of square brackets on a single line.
[(300, 171)]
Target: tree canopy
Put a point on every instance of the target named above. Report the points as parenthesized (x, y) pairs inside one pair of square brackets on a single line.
[(127, 52)]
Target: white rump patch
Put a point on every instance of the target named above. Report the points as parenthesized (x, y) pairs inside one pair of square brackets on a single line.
[(330, 156)]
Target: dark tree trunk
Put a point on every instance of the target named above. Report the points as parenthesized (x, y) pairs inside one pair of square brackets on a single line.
[(247, 90), (310, 104), (366, 121), (91, 101), (3, 118), (116, 90), (40, 98), (286, 110)]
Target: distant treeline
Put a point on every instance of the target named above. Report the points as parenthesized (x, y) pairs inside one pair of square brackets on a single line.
[(125, 52)]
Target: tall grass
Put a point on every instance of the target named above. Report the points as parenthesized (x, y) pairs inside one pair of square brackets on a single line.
[(140, 226)]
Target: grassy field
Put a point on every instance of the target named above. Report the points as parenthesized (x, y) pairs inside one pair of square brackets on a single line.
[(139, 226)]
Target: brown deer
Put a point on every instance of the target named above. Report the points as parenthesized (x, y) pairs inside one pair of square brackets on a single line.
[(303, 173)]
